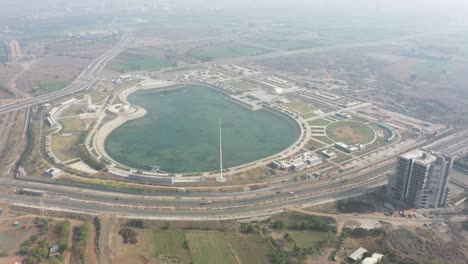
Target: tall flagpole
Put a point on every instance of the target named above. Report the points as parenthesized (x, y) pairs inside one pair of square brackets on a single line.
[(220, 149), (220, 178)]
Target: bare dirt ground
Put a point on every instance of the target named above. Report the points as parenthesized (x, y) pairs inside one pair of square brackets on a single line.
[(11, 136), (11, 235), (446, 243), (7, 73), (55, 68), (85, 49)]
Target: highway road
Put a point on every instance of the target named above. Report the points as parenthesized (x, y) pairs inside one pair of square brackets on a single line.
[(456, 144), (189, 205), (84, 81)]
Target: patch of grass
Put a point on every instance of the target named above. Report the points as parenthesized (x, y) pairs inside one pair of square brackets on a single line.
[(72, 125), (300, 107), (106, 184), (308, 115), (98, 97), (307, 238), (286, 43), (350, 132), (434, 67), (313, 145), (210, 247), (324, 139), (49, 86), (170, 243), (250, 249), (72, 110), (128, 62), (31, 159), (240, 86), (319, 122), (64, 146), (225, 50)]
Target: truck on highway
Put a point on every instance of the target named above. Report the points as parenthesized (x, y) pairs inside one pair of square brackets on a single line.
[(31, 192)]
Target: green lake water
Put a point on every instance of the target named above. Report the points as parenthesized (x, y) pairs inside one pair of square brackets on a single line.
[(180, 132)]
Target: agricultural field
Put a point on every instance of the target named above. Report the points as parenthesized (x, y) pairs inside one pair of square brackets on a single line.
[(64, 146), (170, 243), (48, 86), (129, 62), (198, 247), (225, 50), (350, 132), (210, 247), (300, 107), (250, 249), (282, 43), (240, 86)]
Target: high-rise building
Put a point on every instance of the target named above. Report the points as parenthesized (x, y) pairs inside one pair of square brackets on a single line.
[(421, 180), (13, 50)]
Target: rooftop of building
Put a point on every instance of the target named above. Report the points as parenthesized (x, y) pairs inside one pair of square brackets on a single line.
[(420, 156)]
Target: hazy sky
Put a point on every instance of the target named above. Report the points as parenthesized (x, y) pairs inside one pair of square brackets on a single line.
[(434, 5), (423, 7)]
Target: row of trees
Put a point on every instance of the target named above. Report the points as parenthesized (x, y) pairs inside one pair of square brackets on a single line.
[(80, 238)]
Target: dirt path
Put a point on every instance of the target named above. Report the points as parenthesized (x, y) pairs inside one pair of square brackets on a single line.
[(12, 83), (91, 246)]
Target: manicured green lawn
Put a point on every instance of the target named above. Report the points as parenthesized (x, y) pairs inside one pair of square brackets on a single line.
[(308, 115), (241, 86), (319, 122), (300, 107), (350, 132)]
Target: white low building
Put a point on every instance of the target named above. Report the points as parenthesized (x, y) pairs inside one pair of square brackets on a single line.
[(345, 148), (328, 154), (342, 115), (374, 259), (357, 254), (299, 162)]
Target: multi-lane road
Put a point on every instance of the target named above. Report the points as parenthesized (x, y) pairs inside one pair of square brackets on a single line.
[(84, 81), (193, 205)]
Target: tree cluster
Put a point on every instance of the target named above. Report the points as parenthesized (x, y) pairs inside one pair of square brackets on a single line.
[(129, 236)]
